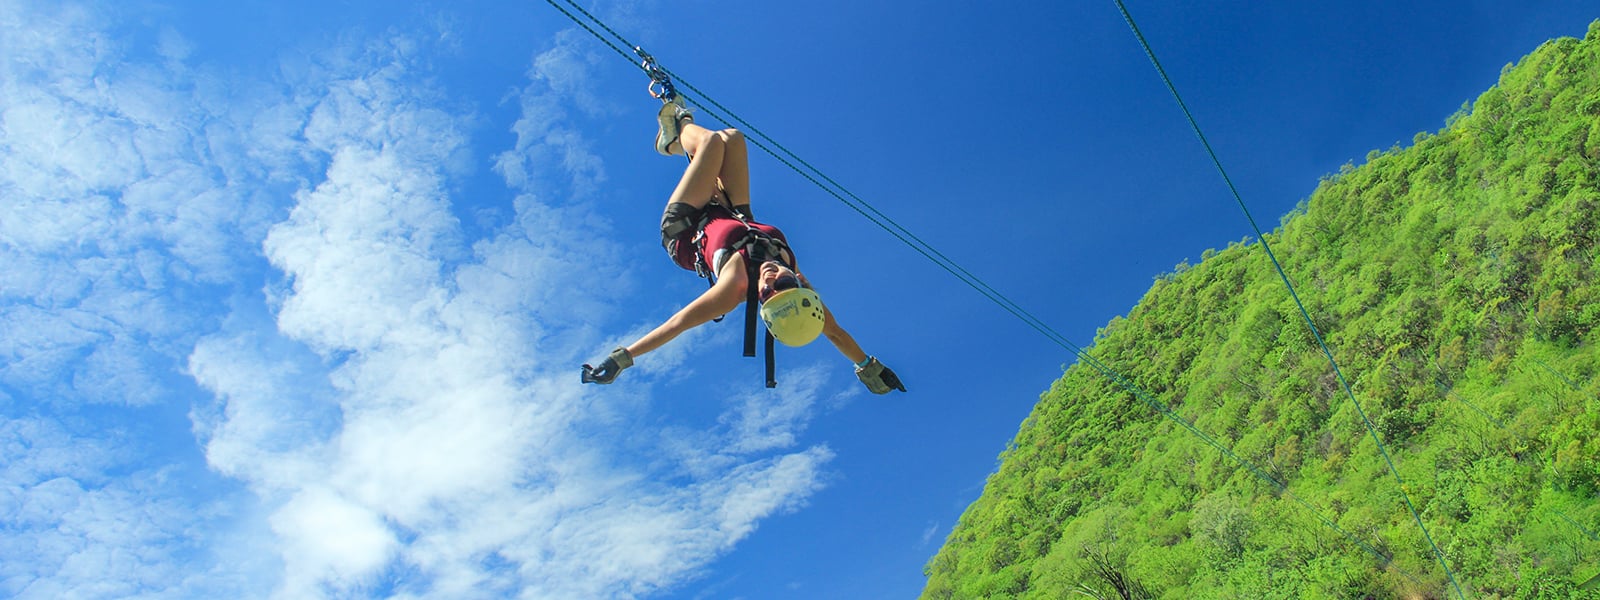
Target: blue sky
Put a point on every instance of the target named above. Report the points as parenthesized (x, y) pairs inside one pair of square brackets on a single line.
[(295, 293)]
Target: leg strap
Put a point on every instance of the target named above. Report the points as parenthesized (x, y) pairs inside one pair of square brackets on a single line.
[(679, 218), (680, 226)]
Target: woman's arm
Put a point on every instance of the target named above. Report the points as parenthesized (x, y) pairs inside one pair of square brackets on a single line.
[(721, 299), (840, 338)]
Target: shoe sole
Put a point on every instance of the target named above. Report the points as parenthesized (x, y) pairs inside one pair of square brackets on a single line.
[(667, 120)]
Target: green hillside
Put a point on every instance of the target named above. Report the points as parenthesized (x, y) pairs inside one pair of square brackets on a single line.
[(1455, 282)]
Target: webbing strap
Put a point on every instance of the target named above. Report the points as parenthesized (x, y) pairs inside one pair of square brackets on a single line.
[(772, 368), (752, 273), (750, 307)]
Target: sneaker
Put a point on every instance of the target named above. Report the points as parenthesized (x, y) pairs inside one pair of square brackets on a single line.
[(672, 114)]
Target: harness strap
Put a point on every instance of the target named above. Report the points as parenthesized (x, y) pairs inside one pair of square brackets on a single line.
[(771, 367), (750, 310), (756, 247), (754, 255)]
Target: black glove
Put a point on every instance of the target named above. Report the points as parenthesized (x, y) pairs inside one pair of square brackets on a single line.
[(609, 368), (878, 378)]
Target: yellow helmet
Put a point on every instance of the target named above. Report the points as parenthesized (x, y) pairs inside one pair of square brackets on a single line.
[(794, 316)]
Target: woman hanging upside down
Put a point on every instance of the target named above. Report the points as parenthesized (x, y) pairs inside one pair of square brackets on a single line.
[(708, 227)]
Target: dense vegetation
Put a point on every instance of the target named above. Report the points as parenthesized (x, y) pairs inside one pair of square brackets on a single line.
[(1455, 282)]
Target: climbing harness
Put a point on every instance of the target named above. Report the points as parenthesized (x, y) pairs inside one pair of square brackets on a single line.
[(757, 243)]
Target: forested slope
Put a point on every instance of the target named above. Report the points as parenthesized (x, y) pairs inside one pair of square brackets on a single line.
[(1455, 282)]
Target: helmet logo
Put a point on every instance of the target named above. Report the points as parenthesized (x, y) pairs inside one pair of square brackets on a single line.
[(794, 316)]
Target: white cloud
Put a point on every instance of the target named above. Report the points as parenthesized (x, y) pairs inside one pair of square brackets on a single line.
[(928, 535), (559, 79), (73, 529), (114, 224), (112, 216), (276, 414), (402, 406), (326, 537), (761, 423)]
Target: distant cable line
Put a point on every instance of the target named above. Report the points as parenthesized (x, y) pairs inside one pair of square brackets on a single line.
[(765, 142), (1371, 428)]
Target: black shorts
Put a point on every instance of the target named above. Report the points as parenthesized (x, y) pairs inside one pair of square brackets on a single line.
[(679, 224)]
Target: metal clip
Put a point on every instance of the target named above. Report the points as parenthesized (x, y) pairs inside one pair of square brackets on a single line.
[(660, 87)]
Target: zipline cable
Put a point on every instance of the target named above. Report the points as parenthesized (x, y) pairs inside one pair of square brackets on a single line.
[(1371, 428), (761, 140)]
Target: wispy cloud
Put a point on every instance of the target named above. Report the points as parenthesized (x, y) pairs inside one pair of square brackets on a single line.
[(120, 216), (108, 211), (760, 422), (929, 535), (82, 518), (398, 414)]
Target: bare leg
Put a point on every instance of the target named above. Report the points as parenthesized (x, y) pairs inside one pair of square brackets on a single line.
[(699, 182), (720, 153), (735, 174)]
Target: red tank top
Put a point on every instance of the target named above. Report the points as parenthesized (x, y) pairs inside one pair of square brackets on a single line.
[(722, 234), (722, 231)]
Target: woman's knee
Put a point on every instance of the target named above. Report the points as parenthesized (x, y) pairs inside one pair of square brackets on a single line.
[(731, 136), (696, 139)]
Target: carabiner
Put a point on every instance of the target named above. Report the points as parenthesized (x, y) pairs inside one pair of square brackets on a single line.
[(666, 92), (660, 86)]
